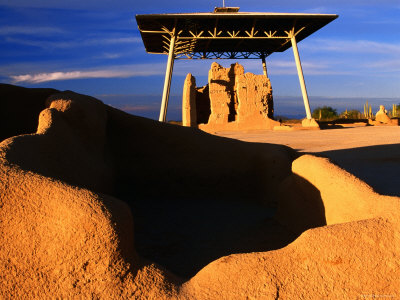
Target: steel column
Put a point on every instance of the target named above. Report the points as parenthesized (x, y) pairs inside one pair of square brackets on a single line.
[(167, 81), (301, 77), (264, 66)]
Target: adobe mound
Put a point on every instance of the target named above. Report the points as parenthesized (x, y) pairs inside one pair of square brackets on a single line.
[(20, 108), (65, 232), (83, 152)]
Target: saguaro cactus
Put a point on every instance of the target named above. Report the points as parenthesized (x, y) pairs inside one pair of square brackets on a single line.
[(368, 111)]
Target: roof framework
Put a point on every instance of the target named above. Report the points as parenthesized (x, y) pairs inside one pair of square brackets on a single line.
[(227, 35)]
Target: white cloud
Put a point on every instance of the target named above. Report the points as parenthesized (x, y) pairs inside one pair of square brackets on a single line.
[(29, 30), (275, 66), (389, 21), (288, 67), (43, 77), (115, 72), (200, 68), (357, 46), (318, 10), (138, 108), (385, 66), (75, 42), (120, 40), (110, 55)]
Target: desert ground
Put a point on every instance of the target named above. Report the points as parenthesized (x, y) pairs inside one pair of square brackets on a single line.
[(372, 153), (97, 203)]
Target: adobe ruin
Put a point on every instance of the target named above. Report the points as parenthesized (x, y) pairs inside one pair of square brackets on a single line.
[(232, 100), (110, 205)]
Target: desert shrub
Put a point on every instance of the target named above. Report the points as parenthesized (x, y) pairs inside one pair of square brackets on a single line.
[(351, 114), (324, 113), (395, 112)]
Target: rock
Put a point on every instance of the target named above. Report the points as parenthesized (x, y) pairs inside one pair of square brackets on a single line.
[(381, 115), (382, 118)]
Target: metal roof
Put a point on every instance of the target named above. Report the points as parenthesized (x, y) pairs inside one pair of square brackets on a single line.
[(225, 34)]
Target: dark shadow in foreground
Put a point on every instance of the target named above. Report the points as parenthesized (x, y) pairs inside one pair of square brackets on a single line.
[(196, 197), (376, 165)]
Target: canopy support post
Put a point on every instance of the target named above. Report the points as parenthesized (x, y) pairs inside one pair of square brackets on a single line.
[(301, 77), (264, 64), (167, 81)]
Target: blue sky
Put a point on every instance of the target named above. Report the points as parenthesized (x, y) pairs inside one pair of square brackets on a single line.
[(94, 47)]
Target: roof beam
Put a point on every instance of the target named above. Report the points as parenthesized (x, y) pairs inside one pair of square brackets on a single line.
[(206, 33)]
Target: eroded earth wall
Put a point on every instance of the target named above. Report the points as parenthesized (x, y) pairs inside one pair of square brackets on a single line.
[(254, 95), (67, 225), (189, 113), (235, 100), (221, 82)]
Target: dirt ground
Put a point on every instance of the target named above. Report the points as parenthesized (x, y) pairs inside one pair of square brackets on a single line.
[(372, 153)]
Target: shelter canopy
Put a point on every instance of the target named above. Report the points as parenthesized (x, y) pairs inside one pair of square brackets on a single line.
[(226, 34)]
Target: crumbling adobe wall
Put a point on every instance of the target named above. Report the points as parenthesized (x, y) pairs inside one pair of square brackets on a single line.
[(221, 82), (189, 117), (63, 234), (231, 100), (195, 103), (255, 98), (203, 110), (20, 116)]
